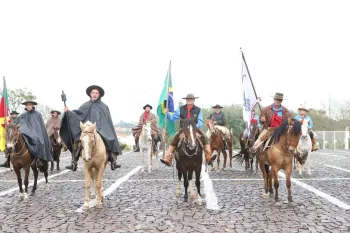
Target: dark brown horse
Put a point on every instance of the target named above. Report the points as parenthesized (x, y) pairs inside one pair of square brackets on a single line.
[(56, 145), (217, 143), (21, 158), (244, 154), (279, 155), (189, 157)]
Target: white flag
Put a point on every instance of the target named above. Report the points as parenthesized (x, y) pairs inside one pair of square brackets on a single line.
[(249, 98)]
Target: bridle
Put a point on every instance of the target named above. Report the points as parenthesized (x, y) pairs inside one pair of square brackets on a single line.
[(18, 154)]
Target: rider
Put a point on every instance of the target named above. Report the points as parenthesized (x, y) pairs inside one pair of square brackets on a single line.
[(220, 122), (271, 117), (303, 116), (93, 110), (189, 110), (147, 115), (254, 119), (54, 121), (14, 119)]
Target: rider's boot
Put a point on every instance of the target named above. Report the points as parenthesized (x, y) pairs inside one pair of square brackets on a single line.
[(208, 155), (314, 147), (169, 156), (113, 159), (75, 159)]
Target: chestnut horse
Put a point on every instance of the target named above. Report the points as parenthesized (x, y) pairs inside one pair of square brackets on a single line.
[(279, 155), (217, 143), (94, 161), (56, 145), (244, 154), (189, 157), (20, 157)]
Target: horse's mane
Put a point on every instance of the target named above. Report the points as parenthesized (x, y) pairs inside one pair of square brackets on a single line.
[(282, 129)]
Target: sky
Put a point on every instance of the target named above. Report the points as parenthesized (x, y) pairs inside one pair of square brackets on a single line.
[(299, 48)]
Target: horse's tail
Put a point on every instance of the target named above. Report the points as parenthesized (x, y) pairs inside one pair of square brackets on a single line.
[(239, 158)]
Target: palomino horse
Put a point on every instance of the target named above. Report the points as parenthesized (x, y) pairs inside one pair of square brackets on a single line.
[(189, 158), (94, 161), (21, 158), (244, 154), (146, 145), (217, 143), (279, 155), (304, 146), (56, 145)]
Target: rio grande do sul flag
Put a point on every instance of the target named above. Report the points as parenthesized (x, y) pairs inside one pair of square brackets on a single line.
[(4, 114)]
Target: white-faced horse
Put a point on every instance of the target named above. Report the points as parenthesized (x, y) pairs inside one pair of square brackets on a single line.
[(145, 144), (304, 147), (94, 161)]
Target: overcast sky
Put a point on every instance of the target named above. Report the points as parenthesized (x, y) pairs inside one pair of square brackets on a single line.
[(300, 48)]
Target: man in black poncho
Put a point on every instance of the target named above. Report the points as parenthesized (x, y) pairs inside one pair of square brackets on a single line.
[(93, 110), (33, 129)]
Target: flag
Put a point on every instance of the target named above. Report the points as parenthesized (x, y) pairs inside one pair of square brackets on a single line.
[(167, 89), (4, 113), (249, 96)]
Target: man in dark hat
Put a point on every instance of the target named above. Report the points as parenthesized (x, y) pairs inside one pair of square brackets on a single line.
[(93, 110), (271, 117), (32, 128), (189, 110), (220, 122), (54, 121), (147, 115), (14, 119)]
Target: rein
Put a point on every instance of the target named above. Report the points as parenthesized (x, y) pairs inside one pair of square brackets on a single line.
[(185, 145), (18, 153)]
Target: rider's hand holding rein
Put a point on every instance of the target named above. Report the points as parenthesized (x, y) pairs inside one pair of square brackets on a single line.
[(165, 110), (65, 109)]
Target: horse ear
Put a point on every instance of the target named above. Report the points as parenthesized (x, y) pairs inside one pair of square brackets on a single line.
[(17, 126), (290, 121), (81, 125)]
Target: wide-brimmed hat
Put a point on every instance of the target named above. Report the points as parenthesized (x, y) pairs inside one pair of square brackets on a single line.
[(147, 105), (90, 88), (278, 96), (30, 102), (14, 112), (58, 112), (217, 106), (190, 96), (303, 106)]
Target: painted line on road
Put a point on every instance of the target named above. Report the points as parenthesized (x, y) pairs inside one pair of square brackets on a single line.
[(210, 196), (319, 193), (339, 168), (30, 184), (247, 179), (113, 187), (333, 155)]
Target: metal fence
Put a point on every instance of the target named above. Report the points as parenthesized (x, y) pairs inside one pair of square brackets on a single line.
[(332, 139)]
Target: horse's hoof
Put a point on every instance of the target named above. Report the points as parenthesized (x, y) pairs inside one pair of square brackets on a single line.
[(99, 206), (20, 197), (25, 199), (277, 203), (290, 199), (32, 194), (266, 195), (186, 199), (192, 196), (85, 206)]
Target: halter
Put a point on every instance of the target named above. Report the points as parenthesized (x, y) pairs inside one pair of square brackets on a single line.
[(18, 153), (93, 149)]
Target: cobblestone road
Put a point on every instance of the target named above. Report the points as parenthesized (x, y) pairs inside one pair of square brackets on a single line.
[(146, 202)]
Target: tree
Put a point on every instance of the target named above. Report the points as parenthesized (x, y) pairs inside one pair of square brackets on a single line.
[(45, 111), (18, 96)]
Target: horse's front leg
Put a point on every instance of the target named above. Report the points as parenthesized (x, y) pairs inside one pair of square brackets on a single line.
[(190, 175), (51, 168), (230, 153), (87, 187), (186, 186), (46, 174), (308, 163), (288, 183), (36, 174), (274, 171), (178, 190), (149, 155), (198, 185), (218, 159), (98, 178), (19, 181), (26, 181), (58, 160), (142, 158), (225, 158)]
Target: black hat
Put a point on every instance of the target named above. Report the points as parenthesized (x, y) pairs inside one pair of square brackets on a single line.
[(217, 106), (58, 112), (14, 112), (90, 88), (147, 105), (30, 102), (190, 96)]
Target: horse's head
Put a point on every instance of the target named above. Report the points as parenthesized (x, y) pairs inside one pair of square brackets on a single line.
[(210, 125), (304, 128), (56, 135), (87, 138), (291, 129), (146, 130), (190, 130), (253, 133), (12, 136)]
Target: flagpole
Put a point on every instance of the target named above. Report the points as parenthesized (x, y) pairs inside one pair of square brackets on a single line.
[(4, 86), (250, 77), (166, 115)]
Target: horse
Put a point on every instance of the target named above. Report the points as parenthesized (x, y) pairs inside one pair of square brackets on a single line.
[(94, 161), (56, 145), (217, 143), (146, 145), (21, 158), (279, 155), (244, 154), (304, 146), (189, 158)]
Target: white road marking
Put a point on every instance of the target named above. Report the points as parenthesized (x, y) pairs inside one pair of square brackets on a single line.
[(31, 183), (339, 168), (319, 193), (210, 196), (113, 187)]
